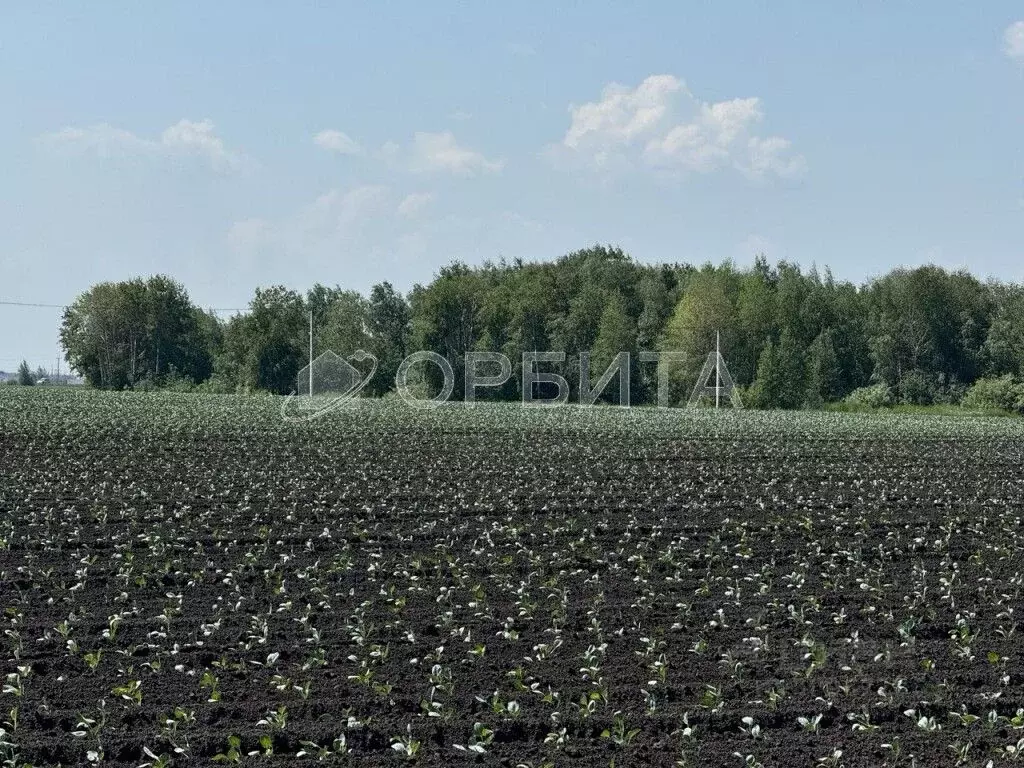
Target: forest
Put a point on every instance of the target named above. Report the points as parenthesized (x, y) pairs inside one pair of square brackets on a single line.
[(792, 338)]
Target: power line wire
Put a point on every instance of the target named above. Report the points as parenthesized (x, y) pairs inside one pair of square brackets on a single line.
[(31, 304), (65, 306)]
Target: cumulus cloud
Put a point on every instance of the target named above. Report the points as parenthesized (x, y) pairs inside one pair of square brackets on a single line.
[(103, 139), (773, 155), (330, 223), (186, 138), (338, 211), (661, 124), (411, 205), (622, 115), (441, 152), (365, 234), (351, 228), (1013, 41), (337, 141)]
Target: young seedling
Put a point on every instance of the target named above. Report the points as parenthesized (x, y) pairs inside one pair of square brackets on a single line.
[(158, 761), (275, 719), (338, 748), (92, 660), (619, 733), (750, 727), (209, 681), (749, 761), (91, 728), (481, 739), (862, 721), (810, 724), (406, 745), (233, 754), (131, 691)]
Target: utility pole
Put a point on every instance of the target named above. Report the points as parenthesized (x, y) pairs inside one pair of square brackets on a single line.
[(311, 355), (718, 368), (715, 364)]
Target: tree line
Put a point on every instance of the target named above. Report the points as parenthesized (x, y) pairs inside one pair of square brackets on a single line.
[(26, 377), (792, 338)]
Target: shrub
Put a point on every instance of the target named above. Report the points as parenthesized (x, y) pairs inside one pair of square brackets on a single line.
[(175, 381), (1003, 393), (874, 396), (950, 394), (219, 383), (917, 389)]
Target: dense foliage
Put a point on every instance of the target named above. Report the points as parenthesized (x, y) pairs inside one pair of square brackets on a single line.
[(25, 377), (138, 332), (792, 339)]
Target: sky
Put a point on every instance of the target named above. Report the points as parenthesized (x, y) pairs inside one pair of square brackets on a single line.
[(233, 145)]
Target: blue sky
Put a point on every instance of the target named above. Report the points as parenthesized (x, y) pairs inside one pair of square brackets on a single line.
[(235, 145)]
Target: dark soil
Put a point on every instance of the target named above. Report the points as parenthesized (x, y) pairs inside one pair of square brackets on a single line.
[(379, 577)]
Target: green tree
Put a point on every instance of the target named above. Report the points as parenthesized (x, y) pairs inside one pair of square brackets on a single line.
[(1004, 344), (704, 309), (656, 297), (793, 370), (25, 377), (823, 378), (766, 390), (575, 330), (792, 290), (927, 331), (445, 319), (781, 380), (389, 327), (343, 325), (615, 333), (118, 335), (755, 321), (266, 348), (850, 338)]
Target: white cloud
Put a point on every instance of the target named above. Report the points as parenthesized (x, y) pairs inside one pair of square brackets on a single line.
[(198, 138), (661, 124), (328, 224), (337, 211), (412, 204), (337, 141), (186, 138), (441, 152), (103, 139), (368, 232), (1013, 41), (622, 114), (772, 155), (390, 153)]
